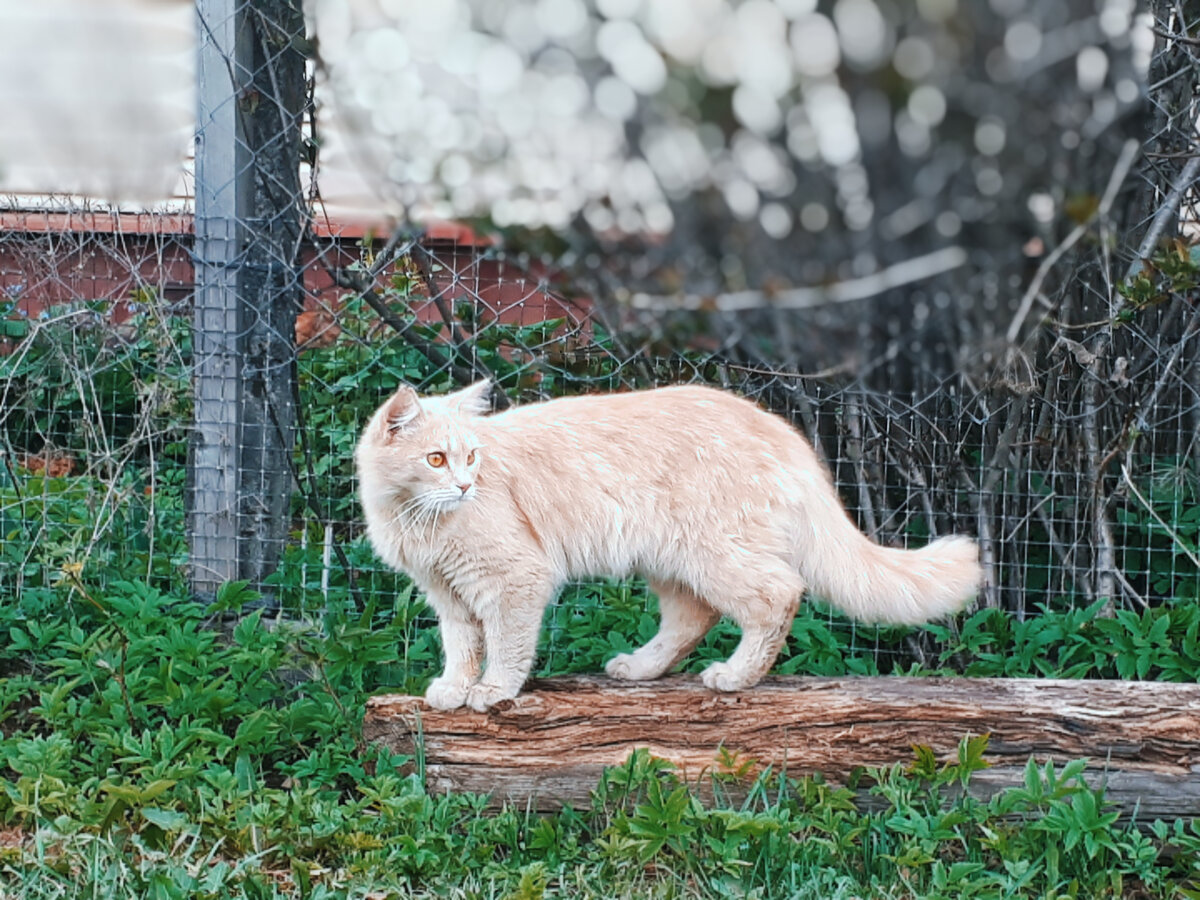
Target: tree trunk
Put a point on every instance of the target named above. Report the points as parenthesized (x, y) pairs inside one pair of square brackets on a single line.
[(249, 289), (549, 746), (273, 289)]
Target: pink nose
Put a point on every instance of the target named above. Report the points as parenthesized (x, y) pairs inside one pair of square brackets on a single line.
[(463, 487)]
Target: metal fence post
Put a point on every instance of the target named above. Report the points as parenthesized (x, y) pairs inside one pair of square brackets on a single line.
[(221, 197)]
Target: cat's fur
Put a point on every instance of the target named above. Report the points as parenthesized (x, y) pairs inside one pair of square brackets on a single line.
[(724, 508)]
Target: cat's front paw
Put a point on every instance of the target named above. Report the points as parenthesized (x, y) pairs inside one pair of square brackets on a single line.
[(721, 676), (481, 696), (631, 667), (618, 666), (446, 693)]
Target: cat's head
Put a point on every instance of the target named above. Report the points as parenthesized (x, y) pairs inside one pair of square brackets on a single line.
[(424, 451)]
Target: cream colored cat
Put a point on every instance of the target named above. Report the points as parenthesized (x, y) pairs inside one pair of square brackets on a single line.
[(724, 509)]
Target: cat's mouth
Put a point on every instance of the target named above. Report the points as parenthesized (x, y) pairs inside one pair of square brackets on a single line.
[(448, 501), (431, 504)]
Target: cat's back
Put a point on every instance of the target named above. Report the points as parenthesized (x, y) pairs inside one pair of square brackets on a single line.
[(686, 400), (684, 415)]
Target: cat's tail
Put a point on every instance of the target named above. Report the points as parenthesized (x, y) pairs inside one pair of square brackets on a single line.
[(881, 584)]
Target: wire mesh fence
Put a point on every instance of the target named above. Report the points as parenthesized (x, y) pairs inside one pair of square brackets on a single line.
[(1013, 359)]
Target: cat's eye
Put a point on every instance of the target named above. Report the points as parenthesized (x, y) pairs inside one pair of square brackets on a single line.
[(437, 460), (471, 458)]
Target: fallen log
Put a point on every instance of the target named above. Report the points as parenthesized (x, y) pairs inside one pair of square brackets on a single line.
[(549, 746)]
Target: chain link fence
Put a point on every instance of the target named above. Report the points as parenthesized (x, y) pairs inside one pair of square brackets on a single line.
[(984, 317)]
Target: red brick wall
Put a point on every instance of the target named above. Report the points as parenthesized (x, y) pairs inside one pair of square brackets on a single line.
[(48, 260)]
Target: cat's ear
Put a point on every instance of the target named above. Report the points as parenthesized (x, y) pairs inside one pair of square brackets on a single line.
[(401, 410), (474, 400)]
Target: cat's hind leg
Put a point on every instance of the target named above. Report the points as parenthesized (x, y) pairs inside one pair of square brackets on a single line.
[(764, 610), (684, 620)]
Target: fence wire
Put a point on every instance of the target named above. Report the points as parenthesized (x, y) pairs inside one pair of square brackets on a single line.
[(180, 395)]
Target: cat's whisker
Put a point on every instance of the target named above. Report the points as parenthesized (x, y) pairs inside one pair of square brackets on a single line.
[(405, 510), (410, 515), (408, 507), (422, 516)]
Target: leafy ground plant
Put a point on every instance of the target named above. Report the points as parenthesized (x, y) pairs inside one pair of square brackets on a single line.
[(147, 752)]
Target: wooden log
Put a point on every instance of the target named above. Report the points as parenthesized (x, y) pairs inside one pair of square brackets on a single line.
[(549, 746)]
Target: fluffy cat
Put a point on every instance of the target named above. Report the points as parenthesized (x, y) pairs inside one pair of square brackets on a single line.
[(724, 508)]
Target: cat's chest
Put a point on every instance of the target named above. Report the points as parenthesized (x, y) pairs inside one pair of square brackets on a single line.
[(431, 559), (418, 559), (453, 570)]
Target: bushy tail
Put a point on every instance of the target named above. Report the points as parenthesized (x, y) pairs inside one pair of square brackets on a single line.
[(880, 584)]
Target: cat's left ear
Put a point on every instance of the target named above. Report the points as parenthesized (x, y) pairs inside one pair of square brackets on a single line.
[(401, 410), (474, 400)]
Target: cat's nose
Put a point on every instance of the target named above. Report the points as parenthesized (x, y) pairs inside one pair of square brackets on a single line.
[(464, 488)]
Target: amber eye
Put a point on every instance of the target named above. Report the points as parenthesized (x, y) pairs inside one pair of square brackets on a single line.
[(471, 458), (437, 460)]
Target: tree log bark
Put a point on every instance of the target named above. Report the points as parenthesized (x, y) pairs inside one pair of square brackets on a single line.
[(549, 746)]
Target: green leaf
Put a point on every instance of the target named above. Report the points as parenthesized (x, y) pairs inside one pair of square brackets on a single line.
[(925, 764), (155, 789), (234, 595), (259, 726), (166, 819)]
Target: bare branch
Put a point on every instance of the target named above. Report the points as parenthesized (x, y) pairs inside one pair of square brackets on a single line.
[(1166, 212), (1115, 180), (919, 268)]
